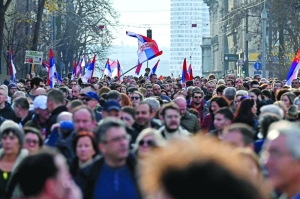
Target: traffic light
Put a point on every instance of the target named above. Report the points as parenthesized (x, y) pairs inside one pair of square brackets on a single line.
[(243, 69), (149, 33)]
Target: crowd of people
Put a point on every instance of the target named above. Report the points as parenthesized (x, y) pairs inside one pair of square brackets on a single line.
[(150, 138)]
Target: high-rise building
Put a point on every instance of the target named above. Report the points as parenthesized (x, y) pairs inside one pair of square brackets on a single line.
[(189, 23)]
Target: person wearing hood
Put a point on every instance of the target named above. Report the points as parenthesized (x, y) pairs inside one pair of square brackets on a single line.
[(12, 152)]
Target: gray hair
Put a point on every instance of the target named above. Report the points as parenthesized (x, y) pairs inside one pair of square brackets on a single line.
[(153, 102), (242, 93), (272, 108), (5, 91), (104, 125), (229, 93), (291, 130)]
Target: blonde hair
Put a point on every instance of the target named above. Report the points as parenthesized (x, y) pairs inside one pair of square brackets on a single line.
[(159, 140)]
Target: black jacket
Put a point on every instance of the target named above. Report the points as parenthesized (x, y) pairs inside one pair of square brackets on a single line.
[(88, 176), (8, 113), (53, 117)]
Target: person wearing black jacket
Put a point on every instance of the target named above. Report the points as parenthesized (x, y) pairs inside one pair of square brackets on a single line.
[(5, 109), (112, 176), (55, 105)]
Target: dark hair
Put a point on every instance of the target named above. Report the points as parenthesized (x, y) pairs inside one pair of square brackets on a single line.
[(129, 110), (167, 106), (152, 75), (265, 121), (22, 102), (244, 113), (253, 82), (35, 82), (220, 100), (184, 182), (256, 91), (56, 96), (280, 92), (75, 103), (267, 93), (246, 85), (38, 168), (245, 130), (114, 95), (220, 88), (226, 112), (194, 112), (150, 107)]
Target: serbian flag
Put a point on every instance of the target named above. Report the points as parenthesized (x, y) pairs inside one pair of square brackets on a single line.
[(147, 48), (74, 70), (45, 66), (295, 66), (52, 70), (191, 77), (107, 69), (89, 71), (120, 78), (185, 75), (12, 68), (113, 64), (138, 69), (153, 69), (79, 66)]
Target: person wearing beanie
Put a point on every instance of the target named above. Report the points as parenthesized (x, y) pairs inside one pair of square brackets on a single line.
[(11, 153)]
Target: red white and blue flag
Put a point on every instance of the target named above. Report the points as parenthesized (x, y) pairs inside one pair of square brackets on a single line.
[(52, 70), (12, 68), (45, 66), (153, 69), (295, 66), (191, 77), (120, 79), (74, 70), (185, 75), (138, 69), (89, 71), (147, 49), (79, 66), (107, 70)]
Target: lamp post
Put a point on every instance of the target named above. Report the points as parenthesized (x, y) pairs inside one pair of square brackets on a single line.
[(264, 32)]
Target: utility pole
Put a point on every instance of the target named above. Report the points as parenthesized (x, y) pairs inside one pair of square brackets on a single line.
[(264, 32), (247, 47), (270, 36)]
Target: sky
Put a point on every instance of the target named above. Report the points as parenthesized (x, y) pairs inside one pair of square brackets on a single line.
[(137, 16)]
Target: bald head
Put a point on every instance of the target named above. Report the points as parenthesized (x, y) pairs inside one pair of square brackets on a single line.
[(39, 91), (64, 116), (181, 103), (156, 90)]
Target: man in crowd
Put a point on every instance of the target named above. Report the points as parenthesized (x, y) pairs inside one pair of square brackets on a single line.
[(153, 79), (75, 92), (154, 103), (39, 91), (112, 176), (91, 99), (55, 105), (171, 117), (157, 92), (21, 109), (188, 120), (238, 135), (210, 87), (197, 102), (149, 91), (35, 83), (281, 156), (143, 118), (223, 118)]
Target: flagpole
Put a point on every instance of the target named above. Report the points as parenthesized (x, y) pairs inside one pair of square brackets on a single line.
[(129, 70)]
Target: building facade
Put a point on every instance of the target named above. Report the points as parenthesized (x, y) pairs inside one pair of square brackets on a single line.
[(189, 23)]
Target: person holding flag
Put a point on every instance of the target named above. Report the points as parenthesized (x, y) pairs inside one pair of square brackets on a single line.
[(12, 68), (89, 72), (107, 70)]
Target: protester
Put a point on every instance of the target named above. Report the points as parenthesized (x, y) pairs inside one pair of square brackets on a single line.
[(5, 109), (33, 139)]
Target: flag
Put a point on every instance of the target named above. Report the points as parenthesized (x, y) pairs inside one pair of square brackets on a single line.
[(147, 48), (45, 66), (107, 69), (79, 66), (113, 64), (161, 78), (191, 77), (185, 75), (153, 69), (12, 68), (52, 70), (120, 79), (74, 70), (89, 71), (138, 69), (295, 66)]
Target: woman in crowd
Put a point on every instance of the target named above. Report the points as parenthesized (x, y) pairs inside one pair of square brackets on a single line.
[(136, 98), (125, 101), (256, 94), (288, 99), (246, 113), (216, 103), (33, 139), (12, 152), (146, 141), (281, 105), (86, 151)]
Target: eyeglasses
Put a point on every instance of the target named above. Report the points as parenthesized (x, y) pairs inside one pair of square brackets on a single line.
[(125, 118), (197, 97), (29, 141), (135, 98), (85, 99), (118, 139), (149, 143)]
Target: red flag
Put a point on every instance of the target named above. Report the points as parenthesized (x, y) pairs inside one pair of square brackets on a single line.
[(185, 75), (191, 77), (161, 78)]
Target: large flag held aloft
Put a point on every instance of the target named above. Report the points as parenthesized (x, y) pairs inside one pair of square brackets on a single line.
[(120, 79), (107, 70), (185, 75), (52, 70), (12, 68), (89, 71), (295, 66), (191, 77), (147, 48)]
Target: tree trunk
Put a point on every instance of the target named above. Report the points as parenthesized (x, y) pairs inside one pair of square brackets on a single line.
[(38, 24)]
